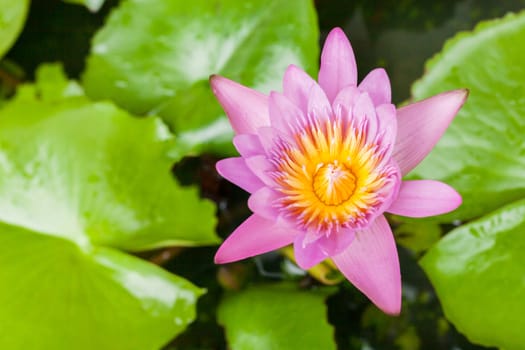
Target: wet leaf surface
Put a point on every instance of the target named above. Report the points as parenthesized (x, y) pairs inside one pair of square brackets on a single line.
[(482, 154), (142, 60), (479, 275), (80, 181)]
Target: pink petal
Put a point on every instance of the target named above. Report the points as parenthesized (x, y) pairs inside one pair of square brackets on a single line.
[(311, 236), (319, 108), (307, 255), (261, 167), (388, 192), (235, 170), (338, 68), (253, 237), (284, 115), (263, 203), (371, 264), (377, 85), (296, 86), (365, 116), (336, 242), (248, 145), (343, 104), (269, 138), (247, 109), (386, 114), (422, 198), (421, 125)]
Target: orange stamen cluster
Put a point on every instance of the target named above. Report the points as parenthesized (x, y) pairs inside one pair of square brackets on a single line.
[(330, 176)]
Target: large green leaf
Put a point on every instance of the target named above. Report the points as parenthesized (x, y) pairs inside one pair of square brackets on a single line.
[(77, 180), (156, 56), (479, 275), (90, 172), (57, 295), (12, 18), (482, 154), (276, 317)]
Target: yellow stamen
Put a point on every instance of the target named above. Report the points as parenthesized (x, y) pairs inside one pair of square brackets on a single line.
[(330, 176), (333, 183)]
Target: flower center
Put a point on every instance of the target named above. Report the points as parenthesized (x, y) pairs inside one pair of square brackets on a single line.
[(333, 183), (331, 176)]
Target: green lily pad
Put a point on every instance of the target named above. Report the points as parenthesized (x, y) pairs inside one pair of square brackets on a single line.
[(57, 295), (276, 317), (156, 57), (77, 181), (482, 154), (479, 276), (12, 18), (90, 172)]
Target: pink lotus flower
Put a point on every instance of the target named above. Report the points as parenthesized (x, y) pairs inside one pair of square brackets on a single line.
[(323, 162)]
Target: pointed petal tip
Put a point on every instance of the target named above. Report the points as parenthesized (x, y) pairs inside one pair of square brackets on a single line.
[(246, 108), (274, 95), (424, 198), (371, 264), (454, 98), (456, 200), (460, 94), (219, 166), (216, 80), (336, 31), (224, 256), (338, 67), (223, 166), (465, 94), (236, 171), (254, 236), (389, 303), (422, 124), (463, 91), (293, 67), (455, 203), (337, 38), (219, 259), (377, 84), (393, 310)]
